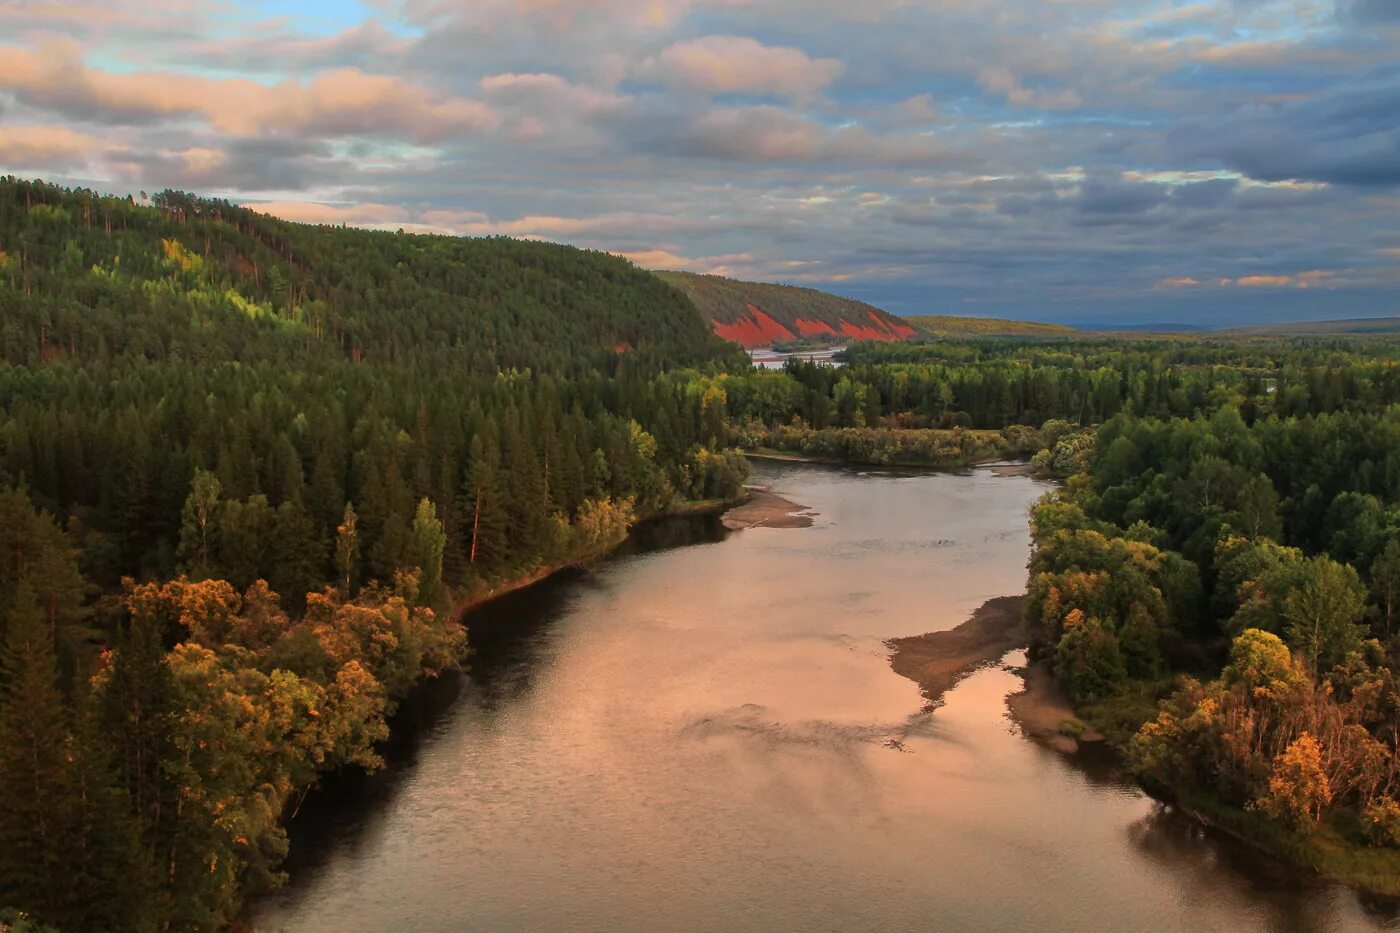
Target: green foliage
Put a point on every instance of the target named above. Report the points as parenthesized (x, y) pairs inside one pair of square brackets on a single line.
[(1087, 658), (1264, 475), (428, 543), (35, 806), (878, 446)]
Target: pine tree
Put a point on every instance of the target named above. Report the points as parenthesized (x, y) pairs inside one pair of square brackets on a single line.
[(347, 551), (139, 711), (485, 519), (109, 874), (35, 807)]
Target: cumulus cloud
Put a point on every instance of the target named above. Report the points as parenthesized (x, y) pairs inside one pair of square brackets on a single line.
[(706, 265), (1002, 81), (342, 102), (1309, 279), (741, 65), (37, 147)]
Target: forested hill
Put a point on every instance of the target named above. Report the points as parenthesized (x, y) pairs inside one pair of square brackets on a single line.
[(758, 314), (250, 471), (94, 276)]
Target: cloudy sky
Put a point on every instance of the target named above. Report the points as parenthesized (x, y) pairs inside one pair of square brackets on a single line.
[(1083, 160)]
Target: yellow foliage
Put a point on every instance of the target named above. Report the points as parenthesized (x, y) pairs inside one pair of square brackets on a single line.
[(1298, 789), (180, 258)]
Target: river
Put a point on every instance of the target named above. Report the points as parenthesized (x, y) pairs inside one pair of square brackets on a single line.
[(710, 737)]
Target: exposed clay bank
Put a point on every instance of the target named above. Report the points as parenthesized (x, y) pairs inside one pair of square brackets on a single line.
[(711, 737)]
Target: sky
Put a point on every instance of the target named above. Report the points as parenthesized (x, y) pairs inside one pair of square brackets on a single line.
[(1089, 161)]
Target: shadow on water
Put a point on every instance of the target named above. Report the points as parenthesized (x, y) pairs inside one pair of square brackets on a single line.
[(507, 638), (1220, 863)]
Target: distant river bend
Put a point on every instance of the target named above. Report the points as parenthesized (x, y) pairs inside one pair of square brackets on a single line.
[(710, 737)]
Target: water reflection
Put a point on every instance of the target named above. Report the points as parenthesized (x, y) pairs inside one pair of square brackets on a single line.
[(710, 738)]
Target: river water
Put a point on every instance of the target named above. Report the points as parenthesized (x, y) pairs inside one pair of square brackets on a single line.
[(709, 737)]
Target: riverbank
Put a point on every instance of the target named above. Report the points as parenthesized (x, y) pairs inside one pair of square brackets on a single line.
[(959, 462), (1044, 712), (688, 509), (767, 508)]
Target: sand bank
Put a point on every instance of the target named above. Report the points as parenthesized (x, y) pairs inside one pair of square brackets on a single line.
[(767, 508), (938, 660)]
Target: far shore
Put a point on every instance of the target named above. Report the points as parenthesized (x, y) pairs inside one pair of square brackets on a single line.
[(937, 661)]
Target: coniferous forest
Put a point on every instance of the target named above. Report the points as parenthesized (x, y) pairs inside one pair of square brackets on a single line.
[(249, 469), (253, 472)]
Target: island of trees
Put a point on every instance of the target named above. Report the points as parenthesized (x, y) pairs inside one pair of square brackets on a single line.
[(252, 473)]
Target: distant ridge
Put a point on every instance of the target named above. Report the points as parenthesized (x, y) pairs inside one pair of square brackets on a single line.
[(944, 325), (1364, 325), (758, 314)]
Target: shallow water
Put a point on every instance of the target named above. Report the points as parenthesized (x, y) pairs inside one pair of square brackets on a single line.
[(709, 737)]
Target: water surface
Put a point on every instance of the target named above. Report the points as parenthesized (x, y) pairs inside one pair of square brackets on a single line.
[(709, 737)]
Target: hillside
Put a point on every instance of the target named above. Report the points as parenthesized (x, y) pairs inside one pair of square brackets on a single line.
[(254, 471), (758, 314), (305, 367), (97, 276), (941, 325)]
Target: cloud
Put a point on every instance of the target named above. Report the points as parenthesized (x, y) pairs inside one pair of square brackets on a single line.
[(369, 215), (707, 265), (1108, 196), (1002, 81), (342, 102), (1309, 279), (1369, 12), (1346, 136), (741, 65), (364, 42), (37, 147)]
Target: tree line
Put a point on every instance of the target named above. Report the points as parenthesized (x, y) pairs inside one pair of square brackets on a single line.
[(1222, 593)]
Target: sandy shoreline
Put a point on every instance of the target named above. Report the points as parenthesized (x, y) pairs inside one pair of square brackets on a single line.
[(767, 508), (1042, 708), (938, 660), (1011, 469)]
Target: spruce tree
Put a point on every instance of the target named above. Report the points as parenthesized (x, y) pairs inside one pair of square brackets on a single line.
[(35, 806)]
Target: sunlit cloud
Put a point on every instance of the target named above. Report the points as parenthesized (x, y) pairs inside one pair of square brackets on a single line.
[(1309, 279)]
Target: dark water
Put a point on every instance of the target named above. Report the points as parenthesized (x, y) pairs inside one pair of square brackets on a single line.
[(709, 737)]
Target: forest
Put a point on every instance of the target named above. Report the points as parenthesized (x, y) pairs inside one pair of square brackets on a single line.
[(252, 473)]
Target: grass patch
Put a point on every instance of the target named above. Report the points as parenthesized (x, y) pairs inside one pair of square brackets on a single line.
[(1072, 728)]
